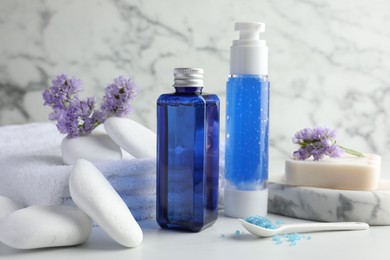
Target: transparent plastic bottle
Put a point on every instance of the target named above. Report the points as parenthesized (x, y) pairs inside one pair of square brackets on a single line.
[(187, 154), (247, 123)]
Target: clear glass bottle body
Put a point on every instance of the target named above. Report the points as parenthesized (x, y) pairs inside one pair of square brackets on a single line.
[(187, 159), (247, 124)]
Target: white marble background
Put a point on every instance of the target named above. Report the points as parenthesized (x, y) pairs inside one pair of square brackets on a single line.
[(329, 60)]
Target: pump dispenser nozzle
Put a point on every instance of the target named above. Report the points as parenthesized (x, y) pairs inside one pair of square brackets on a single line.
[(249, 54), (249, 31)]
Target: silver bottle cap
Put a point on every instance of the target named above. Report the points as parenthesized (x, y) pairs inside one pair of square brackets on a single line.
[(188, 77)]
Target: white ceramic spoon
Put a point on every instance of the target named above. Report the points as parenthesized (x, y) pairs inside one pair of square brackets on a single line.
[(305, 227)]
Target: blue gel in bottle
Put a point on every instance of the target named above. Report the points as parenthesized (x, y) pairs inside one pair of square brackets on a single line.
[(247, 124), (187, 154), (247, 132)]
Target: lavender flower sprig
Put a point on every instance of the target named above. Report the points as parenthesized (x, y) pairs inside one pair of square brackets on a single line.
[(63, 90), (118, 96), (319, 142), (77, 117)]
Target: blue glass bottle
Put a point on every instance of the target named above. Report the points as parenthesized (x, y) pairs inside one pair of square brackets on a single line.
[(247, 124), (187, 154)]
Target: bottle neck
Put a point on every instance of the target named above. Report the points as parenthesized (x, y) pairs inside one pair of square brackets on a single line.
[(188, 90)]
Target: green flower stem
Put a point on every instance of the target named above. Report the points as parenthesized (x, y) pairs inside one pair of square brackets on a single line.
[(350, 151)]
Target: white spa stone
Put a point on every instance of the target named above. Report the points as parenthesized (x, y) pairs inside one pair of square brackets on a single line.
[(45, 226), (93, 194), (133, 137), (96, 146), (346, 173), (7, 206)]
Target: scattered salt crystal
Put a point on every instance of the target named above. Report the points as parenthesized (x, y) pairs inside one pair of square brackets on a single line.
[(293, 238), (277, 239)]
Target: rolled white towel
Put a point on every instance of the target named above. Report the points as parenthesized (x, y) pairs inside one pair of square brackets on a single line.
[(32, 171)]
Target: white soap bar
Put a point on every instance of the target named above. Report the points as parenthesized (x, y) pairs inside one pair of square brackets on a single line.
[(7, 206), (96, 146), (133, 137), (45, 226), (93, 194), (346, 173)]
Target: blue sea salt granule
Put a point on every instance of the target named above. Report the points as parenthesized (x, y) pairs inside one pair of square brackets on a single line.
[(238, 232), (279, 222), (235, 233), (261, 222), (277, 239), (293, 238)]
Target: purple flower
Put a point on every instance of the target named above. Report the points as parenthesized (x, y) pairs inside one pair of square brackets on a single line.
[(318, 142), (77, 117), (116, 101), (63, 89), (67, 119)]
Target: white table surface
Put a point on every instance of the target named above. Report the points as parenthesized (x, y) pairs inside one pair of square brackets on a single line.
[(373, 243), (208, 244)]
